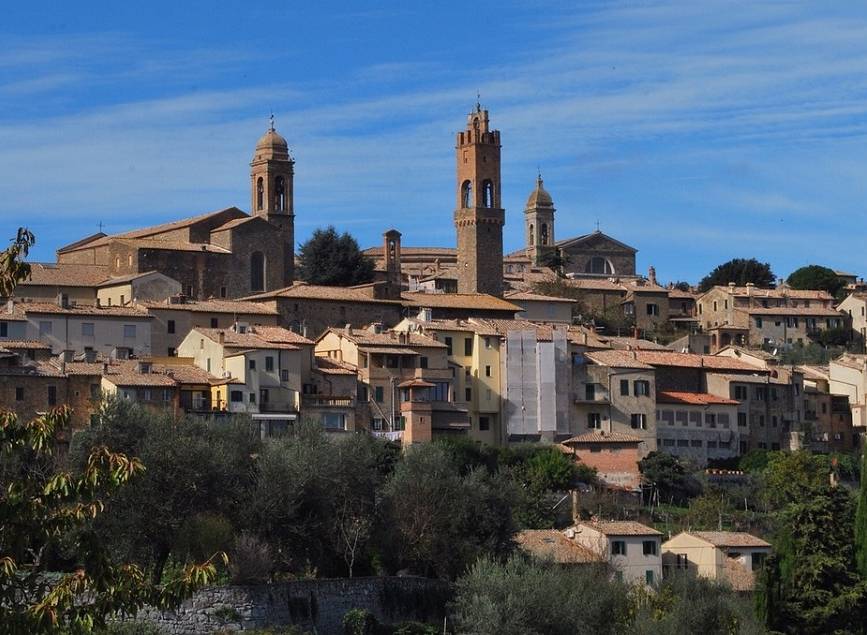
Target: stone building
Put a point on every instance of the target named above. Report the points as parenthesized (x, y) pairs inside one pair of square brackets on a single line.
[(479, 217), (222, 254)]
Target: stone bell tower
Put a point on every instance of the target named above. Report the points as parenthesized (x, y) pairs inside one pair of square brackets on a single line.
[(479, 216), (272, 173), (539, 224)]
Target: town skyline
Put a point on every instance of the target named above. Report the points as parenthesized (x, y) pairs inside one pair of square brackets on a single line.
[(635, 117)]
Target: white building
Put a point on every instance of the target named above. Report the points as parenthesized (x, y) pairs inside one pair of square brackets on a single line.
[(633, 550)]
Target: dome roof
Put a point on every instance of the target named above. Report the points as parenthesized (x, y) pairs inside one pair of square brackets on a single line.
[(271, 145), (539, 197)]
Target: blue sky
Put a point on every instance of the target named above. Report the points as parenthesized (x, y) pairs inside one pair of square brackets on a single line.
[(694, 131)]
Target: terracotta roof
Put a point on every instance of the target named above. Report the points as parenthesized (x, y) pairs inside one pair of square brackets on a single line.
[(280, 335), (236, 223), (33, 369), (620, 528), (150, 231), (15, 315), (329, 366), (172, 245), (692, 360), (554, 544), (302, 290), (781, 292), (519, 296), (851, 360), (467, 326), (622, 342), (415, 383), (110, 282), (598, 436), (544, 332), (765, 378), (26, 344), (246, 341), (729, 538), (65, 275), (693, 398), (796, 311), (480, 301), (389, 339), (445, 274), (415, 251), (84, 368), (213, 306), (126, 375), (813, 371), (82, 241), (616, 359), (677, 294), (84, 309)]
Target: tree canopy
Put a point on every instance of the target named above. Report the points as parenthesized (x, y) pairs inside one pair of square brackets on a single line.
[(816, 277), (740, 271), (333, 259)]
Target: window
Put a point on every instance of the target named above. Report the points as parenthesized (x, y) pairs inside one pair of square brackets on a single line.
[(251, 364), (648, 576), (710, 419), (19, 393), (758, 561), (468, 393), (652, 309), (487, 371), (590, 392), (257, 271), (129, 331), (467, 194), (641, 388), (252, 397), (44, 328), (683, 443), (682, 417), (214, 323), (87, 329), (146, 394), (668, 442), (648, 547), (378, 394), (624, 387), (594, 420), (392, 361), (487, 194), (362, 393), (695, 443), (422, 362), (740, 393), (223, 293), (468, 346), (618, 547), (4, 329), (742, 419), (52, 395), (448, 342), (758, 322), (638, 421), (167, 394), (761, 393), (269, 364), (440, 391), (484, 423), (170, 326), (667, 416), (260, 193), (280, 194)]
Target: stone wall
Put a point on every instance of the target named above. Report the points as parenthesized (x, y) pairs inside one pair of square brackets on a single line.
[(309, 604)]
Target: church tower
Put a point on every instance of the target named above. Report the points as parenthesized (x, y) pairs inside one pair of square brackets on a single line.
[(539, 225), (272, 173), (479, 217)]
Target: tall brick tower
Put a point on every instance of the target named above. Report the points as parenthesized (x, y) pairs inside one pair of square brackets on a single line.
[(479, 217), (272, 173)]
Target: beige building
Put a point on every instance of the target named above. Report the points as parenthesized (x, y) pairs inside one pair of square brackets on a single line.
[(774, 317), (137, 287), (697, 426), (848, 376), (48, 281), (855, 306), (614, 393), (729, 557), (542, 308), (633, 550)]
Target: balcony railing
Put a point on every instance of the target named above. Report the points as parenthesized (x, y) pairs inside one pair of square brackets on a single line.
[(326, 401), (277, 406)]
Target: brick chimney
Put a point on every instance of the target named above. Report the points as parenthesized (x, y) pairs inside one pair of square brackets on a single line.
[(651, 274)]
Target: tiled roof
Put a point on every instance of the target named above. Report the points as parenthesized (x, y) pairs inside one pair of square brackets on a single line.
[(32, 369), (232, 339), (791, 310), (415, 251), (632, 343), (782, 292), (851, 360), (466, 326), (213, 306), (365, 337), (692, 360), (445, 274), (544, 332), (598, 436), (25, 344), (729, 538), (84, 309), (677, 294), (172, 245), (519, 296), (124, 376), (110, 282), (236, 223), (149, 231), (693, 398), (329, 366), (280, 335), (752, 379), (304, 291), (65, 275), (616, 359), (620, 528), (553, 544), (84, 368), (480, 301)]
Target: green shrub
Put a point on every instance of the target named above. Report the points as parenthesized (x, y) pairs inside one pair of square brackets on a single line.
[(359, 622)]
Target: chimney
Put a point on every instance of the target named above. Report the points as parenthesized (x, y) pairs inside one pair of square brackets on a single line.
[(651, 274), (10, 306), (347, 330), (221, 337), (576, 510), (750, 287), (105, 368)]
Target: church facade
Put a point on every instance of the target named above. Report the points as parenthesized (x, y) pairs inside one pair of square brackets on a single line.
[(222, 254)]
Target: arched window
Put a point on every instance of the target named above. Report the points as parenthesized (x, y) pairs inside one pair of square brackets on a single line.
[(544, 234), (260, 193), (598, 264), (531, 236), (257, 271), (488, 194), (280, 194), (467, 194)]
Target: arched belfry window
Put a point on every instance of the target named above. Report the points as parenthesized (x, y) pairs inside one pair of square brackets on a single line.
[(488, 194), (257, 271), (467, 194), (598, 264), (531, 236), (260, 193), (544, 234), (280, 194)]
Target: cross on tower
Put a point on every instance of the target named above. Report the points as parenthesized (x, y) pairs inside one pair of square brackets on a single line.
[(272, 121), (597, 224)]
